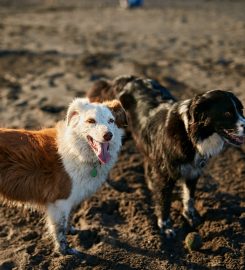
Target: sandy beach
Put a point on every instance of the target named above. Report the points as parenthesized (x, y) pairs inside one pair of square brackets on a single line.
[(52, 51)]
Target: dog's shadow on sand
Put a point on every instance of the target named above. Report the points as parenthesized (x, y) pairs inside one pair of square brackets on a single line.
[(227, 211), (94, 260)]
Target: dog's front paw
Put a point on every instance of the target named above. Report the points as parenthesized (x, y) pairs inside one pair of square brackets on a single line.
[(66, 250), (169, 233), (192, 217), (72, 251), (166, 228)]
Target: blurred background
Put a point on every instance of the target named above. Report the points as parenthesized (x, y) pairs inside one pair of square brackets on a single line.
[(52, 51)]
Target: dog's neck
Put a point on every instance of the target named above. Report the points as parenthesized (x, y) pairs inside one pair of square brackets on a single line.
[(207, 142), (69, 144), (211, 146)]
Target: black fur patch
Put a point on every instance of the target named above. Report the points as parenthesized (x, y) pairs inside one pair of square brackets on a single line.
[(158, 126)]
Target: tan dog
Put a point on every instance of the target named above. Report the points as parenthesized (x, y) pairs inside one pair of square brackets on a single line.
[(55, 169)]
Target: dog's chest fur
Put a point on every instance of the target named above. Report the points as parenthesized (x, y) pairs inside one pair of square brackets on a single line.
[(164, 139), (83, 184), (79, 163)]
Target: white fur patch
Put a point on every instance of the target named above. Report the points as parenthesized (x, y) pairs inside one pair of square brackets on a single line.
[(78, 157), (210, 146), (240, 125), (183, 108), (185, 197), (166, 227)]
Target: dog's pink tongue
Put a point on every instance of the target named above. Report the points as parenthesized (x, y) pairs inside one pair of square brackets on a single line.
[(103, 152)]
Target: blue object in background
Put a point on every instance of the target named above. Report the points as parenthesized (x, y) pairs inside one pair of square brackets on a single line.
[(131, 3), (135, 3)]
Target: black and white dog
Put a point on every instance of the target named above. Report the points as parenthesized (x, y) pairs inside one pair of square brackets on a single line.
[(176, 138)]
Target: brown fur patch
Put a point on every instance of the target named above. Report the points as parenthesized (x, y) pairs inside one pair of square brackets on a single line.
[(103, 90), (119, 113), (31, 169), (99, 91)]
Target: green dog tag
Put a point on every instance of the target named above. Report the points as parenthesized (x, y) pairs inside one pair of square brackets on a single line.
[(93, 172)]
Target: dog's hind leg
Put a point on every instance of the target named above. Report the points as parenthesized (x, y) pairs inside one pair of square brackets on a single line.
[(163, 197), (161, 185), (57, 217), (189, 211)]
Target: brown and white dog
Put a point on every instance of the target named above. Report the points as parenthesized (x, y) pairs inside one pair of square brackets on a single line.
[(176, 138), (56, 168)]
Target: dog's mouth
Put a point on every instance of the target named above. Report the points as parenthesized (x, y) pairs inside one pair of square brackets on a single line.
[(232, 138), (100, 149)]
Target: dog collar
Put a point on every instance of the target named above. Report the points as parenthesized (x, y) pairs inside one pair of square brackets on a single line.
[(94, 170)]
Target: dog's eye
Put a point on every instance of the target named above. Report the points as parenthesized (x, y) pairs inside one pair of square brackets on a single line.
[(111, 121), (90, 121), (228, 114)]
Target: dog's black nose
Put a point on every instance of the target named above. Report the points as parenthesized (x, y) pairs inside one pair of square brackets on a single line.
[(108, 136)]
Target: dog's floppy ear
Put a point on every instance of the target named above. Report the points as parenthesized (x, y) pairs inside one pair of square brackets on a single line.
[(126, 99), (198, 110), (72, 116), (119, 113)]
